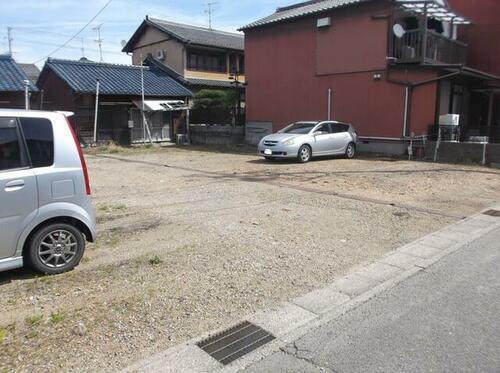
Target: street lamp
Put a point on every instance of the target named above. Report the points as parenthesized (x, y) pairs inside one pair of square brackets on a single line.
[(235, 80)]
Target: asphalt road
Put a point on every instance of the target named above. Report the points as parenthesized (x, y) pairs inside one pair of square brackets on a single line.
[(444, 319)]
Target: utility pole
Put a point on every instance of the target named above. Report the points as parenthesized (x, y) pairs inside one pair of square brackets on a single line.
[(99, 40), (209, 11), (235, 80), (145, 126), (96, 114), (9, 39)]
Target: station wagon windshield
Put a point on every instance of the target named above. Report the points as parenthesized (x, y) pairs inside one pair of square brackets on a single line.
[(299, 128)]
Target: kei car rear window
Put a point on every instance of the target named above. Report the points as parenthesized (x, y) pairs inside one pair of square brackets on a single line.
[(10, 149), (39, 139)]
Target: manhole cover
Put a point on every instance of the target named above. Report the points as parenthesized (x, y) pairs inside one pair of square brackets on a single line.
[(235, 342), (492, 213)]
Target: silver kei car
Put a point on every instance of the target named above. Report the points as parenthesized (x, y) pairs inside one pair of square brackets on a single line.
[(45, 211), (304, 140)]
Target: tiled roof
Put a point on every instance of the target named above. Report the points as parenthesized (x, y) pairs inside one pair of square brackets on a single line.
[(12, 77), (201, 35), (151, 61), (210, 83), (114, 79), (31, 70), (191, 35), (300, 10)]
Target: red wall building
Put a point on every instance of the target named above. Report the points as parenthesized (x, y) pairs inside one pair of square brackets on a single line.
[(292, 63), (483, 34)]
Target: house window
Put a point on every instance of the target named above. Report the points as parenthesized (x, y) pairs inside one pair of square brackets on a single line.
[(242, 64), (233, 66), (211, 62)]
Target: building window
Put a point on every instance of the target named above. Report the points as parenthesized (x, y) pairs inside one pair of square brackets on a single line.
[(202, 61), (233, 65), (236, 64), (242, 63)]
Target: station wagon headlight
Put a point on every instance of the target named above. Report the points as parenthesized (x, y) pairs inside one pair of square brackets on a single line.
[(289, 142)]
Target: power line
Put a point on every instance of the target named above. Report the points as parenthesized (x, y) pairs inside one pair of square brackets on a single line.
[(35, 30), (39, 32), (69, 46), (75, 35)]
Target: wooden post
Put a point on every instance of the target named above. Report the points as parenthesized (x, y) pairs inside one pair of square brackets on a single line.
[(424, 34), (490, 109)]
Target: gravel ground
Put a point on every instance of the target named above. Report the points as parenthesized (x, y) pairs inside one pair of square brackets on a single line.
[(190, 240)]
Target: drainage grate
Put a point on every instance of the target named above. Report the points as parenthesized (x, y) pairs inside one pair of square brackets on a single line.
[(492, 213), (235, 342)]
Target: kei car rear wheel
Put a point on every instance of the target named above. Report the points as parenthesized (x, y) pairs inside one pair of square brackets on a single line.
[(55, 249)]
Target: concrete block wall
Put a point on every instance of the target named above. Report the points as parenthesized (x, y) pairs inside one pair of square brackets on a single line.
[(201, 134), (380, 147), (464, 152), (255, 131)]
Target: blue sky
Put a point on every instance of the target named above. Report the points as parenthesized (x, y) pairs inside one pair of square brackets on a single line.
[(40, 26)]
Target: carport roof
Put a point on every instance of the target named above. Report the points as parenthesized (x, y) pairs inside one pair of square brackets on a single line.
[(81, 77)]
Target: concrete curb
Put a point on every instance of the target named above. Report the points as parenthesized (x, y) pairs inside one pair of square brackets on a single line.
[(293, 319)]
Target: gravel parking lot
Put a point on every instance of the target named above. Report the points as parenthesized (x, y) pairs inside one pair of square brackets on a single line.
[(192, 239)]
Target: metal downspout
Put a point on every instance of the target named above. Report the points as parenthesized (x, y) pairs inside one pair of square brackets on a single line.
[(406, 110), (408, 94)]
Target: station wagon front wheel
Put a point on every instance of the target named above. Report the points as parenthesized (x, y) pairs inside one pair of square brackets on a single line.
[(304, 154), (56, 248)]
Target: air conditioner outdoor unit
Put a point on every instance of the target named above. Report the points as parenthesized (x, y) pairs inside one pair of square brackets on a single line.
[(449, 120), (161, 55), (408, 52), (324, 22)]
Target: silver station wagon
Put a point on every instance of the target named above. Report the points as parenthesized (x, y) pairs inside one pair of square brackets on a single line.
[(45, 211), (304, 140)]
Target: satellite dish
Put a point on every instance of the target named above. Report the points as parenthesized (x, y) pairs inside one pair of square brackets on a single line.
[(123, 43), (398, 30)]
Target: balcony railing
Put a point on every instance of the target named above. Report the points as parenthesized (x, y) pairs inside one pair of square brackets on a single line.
[(428, 48)]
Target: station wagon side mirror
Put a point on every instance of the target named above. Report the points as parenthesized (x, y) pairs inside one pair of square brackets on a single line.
[(320, 133)]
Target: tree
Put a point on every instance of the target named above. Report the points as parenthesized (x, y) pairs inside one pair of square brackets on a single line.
[(212, 106), (211, 99)]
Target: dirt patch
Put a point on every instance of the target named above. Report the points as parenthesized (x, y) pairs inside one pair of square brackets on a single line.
[(191, 240), (137, 226)]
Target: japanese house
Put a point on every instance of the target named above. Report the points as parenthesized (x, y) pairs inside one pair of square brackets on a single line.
[(72, 86), (392, 68), (202, 57), (13, 81)]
